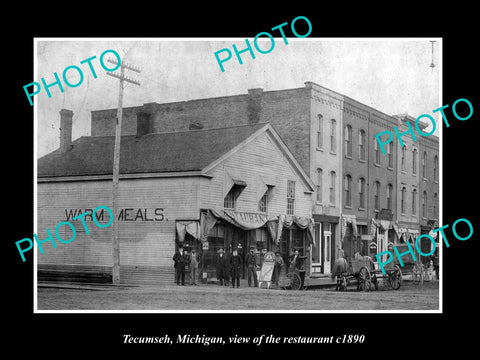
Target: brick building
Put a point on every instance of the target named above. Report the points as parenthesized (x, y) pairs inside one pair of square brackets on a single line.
[(362, 199)]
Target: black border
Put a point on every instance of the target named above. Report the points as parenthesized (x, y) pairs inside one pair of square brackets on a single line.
[(92, 334)]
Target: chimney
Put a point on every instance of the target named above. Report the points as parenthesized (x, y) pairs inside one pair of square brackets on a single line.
[(144, 124), (65, 129)]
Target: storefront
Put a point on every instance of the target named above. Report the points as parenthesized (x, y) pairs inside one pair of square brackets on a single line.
[(231, 230)]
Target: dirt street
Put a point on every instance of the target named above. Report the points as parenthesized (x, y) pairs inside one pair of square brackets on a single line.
[(215, 297)]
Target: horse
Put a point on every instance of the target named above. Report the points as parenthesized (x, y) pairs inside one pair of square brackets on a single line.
[(340, 266)]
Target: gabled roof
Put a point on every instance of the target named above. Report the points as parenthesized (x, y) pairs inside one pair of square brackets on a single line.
[(182, 151)]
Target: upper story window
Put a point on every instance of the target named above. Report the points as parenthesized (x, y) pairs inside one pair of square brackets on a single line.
[(389, 196), (361, 192), (361, 144), (348, 141), (333, 177), (424, 165), (390, 154), (424, 204), (333, 137), (404, 155), (435, 169), (320, 131), (377, 153), (348, 190), (414, 161), (402, 199), (377, 195), (414, 202), (319, 184)]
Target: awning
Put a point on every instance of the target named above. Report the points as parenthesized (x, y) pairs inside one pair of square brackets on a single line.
[(252, 221), (187, 227)]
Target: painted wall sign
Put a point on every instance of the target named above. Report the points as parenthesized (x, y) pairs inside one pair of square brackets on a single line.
[(125, 214)]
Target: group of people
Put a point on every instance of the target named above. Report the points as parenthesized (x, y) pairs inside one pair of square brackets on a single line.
[(227, 267)]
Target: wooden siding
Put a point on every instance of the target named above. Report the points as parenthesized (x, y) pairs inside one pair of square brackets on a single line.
[(143, 243), (260, 158)]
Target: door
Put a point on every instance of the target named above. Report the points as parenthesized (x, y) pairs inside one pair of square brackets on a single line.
[(316, 251), (328, 248)]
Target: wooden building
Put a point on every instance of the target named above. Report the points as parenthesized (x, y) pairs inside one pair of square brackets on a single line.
[(227, 187)]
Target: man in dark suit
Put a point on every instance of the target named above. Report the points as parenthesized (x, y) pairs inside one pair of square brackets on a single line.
[(251, 262), (221, 267), (235, 267), (181, 260)]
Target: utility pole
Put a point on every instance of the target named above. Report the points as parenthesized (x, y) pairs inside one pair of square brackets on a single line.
[(116, 164)]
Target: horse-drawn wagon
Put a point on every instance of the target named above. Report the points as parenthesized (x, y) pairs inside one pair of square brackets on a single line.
[(362, 272), (294, 276)]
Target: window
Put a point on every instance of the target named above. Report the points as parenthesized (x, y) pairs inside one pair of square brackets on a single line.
[(424, 165), (348, 190), (390, 154), (389, 196), (319, 185), (361, 144), (377, 195), (404, 154), (333, 141), (414, 162), (230, 200), (320, 131), (402, 200), (414, 202), (435, 169), (332, 187), (348, 141), (290, 197), (361, 192), (263, 202), (435, 202), (424, 204), (377, 153)]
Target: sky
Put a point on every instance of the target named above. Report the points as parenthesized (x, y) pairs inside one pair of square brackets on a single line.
[(392, 75)]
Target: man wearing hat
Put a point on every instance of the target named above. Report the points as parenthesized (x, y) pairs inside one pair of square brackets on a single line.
[(194, 259), (221, 267), (180, 259), (235, 267), (277, 268), (251, 261)]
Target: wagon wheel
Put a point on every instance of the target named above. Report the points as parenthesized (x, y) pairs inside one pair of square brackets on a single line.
[(395, 278), (364, 279), (296, 282)]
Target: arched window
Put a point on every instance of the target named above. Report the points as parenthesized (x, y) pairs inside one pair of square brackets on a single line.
[(319, 184), (404, 155), (435, 169), (377, 153), (320, 131), (361, 144), (332, 186), (348, 141), (414, 162), (424, 165), (390, 154), (348, 190), (424, 204), (435, 202), (361, 192), (414, 202), (377, 195), (389, 196), (333, 138), (402, 200)]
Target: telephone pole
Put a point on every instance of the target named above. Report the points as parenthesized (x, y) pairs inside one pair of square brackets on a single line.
[(116, 164)]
